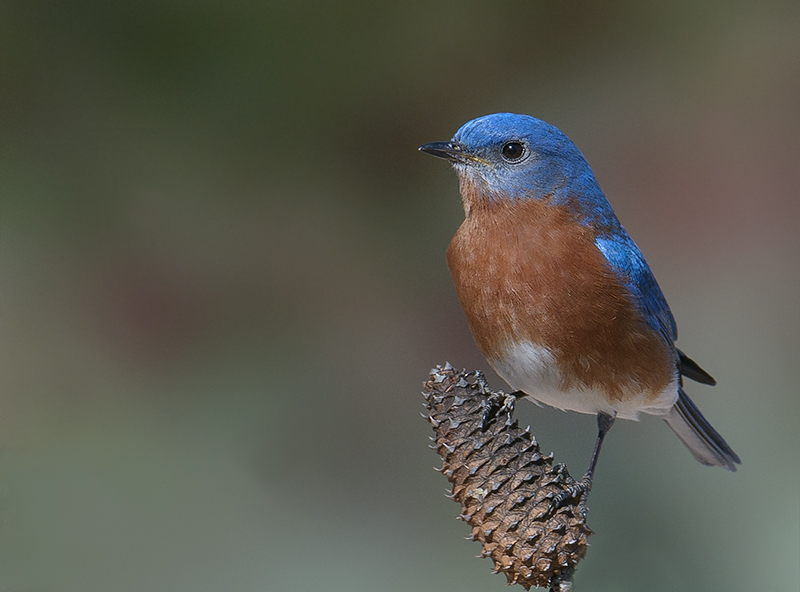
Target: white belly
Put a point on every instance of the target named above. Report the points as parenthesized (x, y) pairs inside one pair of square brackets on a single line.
[(532, 369)]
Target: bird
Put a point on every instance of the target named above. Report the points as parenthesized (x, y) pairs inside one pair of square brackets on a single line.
[(558, 297)]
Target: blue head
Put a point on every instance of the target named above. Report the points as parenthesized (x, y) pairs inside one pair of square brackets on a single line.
[(517, 157)]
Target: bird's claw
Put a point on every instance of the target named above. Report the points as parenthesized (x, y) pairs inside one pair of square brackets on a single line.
[(497, 404), (577, 490)]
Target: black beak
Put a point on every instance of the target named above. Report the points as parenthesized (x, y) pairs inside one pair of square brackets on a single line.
[(447, 150)]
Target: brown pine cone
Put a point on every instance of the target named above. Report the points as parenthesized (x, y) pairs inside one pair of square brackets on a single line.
[(504, 484)]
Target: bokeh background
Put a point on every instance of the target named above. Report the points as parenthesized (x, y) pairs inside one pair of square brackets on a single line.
[(223, 283)]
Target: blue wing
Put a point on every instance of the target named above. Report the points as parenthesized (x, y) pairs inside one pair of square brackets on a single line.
[(627, 260)]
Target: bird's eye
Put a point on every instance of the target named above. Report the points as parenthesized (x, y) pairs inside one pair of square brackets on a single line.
[(513, 151)]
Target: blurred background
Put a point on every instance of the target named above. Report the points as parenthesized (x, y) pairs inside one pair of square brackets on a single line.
[(223, 284)]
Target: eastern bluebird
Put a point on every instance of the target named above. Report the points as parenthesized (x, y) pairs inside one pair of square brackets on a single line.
[(558, 297)]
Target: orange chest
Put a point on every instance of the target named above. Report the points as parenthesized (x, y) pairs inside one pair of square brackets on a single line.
[(530, 273)]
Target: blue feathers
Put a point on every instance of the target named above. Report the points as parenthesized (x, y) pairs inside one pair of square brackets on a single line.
[(551, 163), (628, 262)]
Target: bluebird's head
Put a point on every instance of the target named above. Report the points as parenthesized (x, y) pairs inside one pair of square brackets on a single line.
[(510, 156)]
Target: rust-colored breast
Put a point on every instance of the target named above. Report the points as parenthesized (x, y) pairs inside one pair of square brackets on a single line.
[(527, 271)]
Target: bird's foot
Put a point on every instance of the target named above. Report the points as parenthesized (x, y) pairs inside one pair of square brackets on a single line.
[(577, 490), (498, 404)]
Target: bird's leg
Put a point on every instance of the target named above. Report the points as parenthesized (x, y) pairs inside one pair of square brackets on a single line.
[(583, 486), (604, 423)]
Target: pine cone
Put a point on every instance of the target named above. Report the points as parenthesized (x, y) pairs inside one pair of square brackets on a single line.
[(504, 484)]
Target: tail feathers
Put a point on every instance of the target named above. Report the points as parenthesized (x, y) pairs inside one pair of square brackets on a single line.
[(703, 441), (691, 369)]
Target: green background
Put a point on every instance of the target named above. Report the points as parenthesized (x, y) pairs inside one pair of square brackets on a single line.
[(223, 283)]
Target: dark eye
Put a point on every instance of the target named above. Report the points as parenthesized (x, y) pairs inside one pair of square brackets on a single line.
[(513, 151)]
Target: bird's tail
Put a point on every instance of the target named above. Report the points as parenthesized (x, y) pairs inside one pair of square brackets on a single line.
[(703, 441)]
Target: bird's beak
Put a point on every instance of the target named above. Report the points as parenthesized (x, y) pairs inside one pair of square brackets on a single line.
[(446, 150), (451, 151)]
